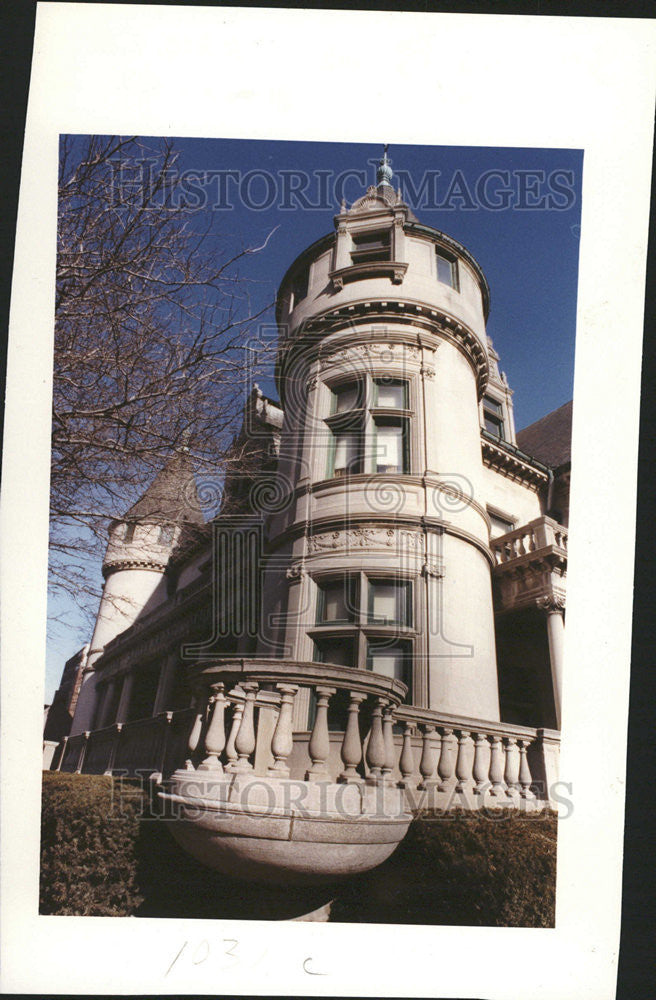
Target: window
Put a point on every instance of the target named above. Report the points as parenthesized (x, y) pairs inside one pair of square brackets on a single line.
[(391, 446), (371, 246), (347, 397), (347, 453), (300, 286), (447, 269), (365, 621), (499, 525), (337, 601), (369, 422), (129, 532), (493, 416), (391, 393), (337, 650), (391, 660), (390, 602)]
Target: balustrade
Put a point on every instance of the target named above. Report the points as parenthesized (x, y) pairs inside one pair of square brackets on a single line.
[(542, 533), (439, 760)]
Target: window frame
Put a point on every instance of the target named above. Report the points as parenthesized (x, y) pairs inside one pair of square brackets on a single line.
[(372, 250), (452, 261), (363, 420), (494, 411), (363, 631), (407, 647)]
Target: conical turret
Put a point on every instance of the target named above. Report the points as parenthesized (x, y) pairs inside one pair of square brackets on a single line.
[(139, 549)]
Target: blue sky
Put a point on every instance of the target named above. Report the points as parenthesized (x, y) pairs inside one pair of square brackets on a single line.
[(516, 210)]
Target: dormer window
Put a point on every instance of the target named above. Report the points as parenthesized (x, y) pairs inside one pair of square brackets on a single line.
[(493, 416), (371, 246), (447, 269)]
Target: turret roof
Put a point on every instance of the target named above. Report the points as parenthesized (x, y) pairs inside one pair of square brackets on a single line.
[(172, 496)]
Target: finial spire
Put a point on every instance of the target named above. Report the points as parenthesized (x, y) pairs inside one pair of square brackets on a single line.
[(384, 172)]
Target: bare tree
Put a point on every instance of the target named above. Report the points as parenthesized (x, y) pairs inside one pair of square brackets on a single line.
[(153, 341)]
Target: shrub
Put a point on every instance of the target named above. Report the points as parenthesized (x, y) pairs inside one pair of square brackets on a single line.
[(104, 855)]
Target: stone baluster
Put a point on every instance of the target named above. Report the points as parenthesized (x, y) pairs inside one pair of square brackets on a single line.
[(245, 739), (446, 766), (481, 763), (511, 772), (351, 752), (199, 703), (496, 766), (407, 758), (388, 739), (376, 744), (430, 751), (231, 754), (319, 745), (282, 742), (525, 778), (63, 753), (463, 763), (215, 737)]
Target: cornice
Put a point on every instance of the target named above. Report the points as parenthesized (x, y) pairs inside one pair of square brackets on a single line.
[(114, 565), (510, 464), (438, 323), (423, 480)]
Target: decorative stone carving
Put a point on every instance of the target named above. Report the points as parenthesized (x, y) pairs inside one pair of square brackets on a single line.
[(551, 603), (427, 371), (434, 568), (296, 571), (366, 538), (376, 352)]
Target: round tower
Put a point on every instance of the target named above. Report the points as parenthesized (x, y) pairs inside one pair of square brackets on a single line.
[(139, 548), (379, 557)]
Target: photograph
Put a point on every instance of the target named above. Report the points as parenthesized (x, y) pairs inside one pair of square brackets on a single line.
[(318, 512), (308, 537)]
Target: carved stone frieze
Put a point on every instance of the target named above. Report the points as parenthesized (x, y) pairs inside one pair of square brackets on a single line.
[(377, 352), (366, 538)]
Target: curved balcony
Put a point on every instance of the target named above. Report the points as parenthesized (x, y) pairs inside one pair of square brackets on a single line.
[(257, 794), (237, 805)]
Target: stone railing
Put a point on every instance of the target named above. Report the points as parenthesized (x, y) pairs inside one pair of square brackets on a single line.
[(242, 722), (227, 736), (539, 535), (157, 745), (441, 761), (457, 761)]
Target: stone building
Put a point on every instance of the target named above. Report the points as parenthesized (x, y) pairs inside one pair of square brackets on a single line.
[(378, 607)]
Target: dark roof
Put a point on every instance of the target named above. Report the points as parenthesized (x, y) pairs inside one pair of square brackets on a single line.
[(549, 439), (172, 495)]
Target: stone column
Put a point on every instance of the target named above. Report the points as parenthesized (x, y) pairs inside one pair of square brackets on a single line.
[(124, 700), (165, 684), (554, 607)]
